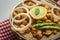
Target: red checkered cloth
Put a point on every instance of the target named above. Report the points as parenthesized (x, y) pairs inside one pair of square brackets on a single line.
[(6, 33)]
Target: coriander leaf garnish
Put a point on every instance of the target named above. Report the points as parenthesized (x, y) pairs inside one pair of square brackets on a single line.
[(37, 11)]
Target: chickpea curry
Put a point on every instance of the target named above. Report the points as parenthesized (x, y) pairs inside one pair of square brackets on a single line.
[(36, 21)]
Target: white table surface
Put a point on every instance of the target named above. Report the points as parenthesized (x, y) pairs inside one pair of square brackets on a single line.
[(6, 7)]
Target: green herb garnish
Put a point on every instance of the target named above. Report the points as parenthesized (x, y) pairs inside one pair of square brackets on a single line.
[(37, 11)]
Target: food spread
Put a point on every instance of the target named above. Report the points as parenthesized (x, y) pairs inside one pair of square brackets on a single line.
[(33, 20)]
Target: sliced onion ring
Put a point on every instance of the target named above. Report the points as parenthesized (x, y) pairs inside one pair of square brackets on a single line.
[(30, 6), (22, 7), (21, 30), (22, 19), (54, 15)]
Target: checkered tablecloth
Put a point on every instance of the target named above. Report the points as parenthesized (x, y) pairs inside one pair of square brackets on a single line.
[(6, 33)]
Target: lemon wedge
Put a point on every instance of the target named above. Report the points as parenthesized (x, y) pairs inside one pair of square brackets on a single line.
[(38, 12)]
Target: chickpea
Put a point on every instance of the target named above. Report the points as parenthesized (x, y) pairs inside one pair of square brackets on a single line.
[(19, 10), (39, 21), (34, 33), (21, 26), (54, 31), (59, 23), (14, 14), (15, 22), (46, 7), (31, 26), (48, 20), (47, 32), (30, 3), (38, 38), (39, 33), (45, 18), (33, 29), (27, 31), (57, 13), (55, 20), (49, 11), (24, 22), (48, 15), (18, 17)]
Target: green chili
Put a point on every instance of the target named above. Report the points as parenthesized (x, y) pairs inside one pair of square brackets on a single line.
[(44, 24), (50, 27)]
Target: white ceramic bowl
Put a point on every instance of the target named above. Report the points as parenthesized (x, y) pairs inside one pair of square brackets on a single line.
[(44, 38)]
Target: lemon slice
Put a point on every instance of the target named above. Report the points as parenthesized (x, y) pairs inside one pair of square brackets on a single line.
[(38, 12)]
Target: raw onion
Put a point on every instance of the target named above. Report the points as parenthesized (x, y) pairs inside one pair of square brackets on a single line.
[(21, 30), (30, 6), (54, 15), (22, 19), (23, 8)]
